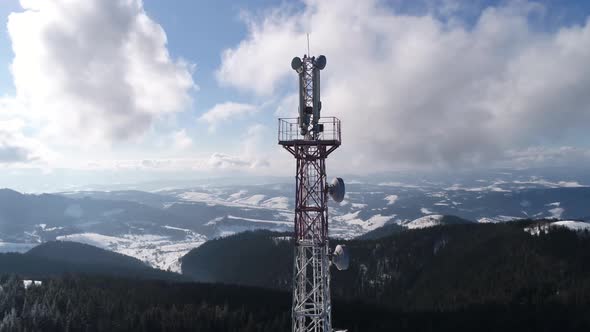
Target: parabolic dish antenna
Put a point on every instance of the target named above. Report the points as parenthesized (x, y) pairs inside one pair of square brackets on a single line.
[(337, 190), (296, 63), (320, 62), (341, 258)]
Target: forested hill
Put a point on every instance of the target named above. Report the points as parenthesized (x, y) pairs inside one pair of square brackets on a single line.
[(122, 305), (447, 278), (424, 222), (58, 258), (445, 267), (260, 258), (80, 253)]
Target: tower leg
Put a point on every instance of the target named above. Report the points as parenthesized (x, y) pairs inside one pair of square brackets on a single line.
[(311, 270), (311, 294)]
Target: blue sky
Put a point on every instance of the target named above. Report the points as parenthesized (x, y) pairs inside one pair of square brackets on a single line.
[(418, 84)]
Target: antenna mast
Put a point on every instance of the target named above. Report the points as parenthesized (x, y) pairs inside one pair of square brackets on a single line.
[(310, 139)]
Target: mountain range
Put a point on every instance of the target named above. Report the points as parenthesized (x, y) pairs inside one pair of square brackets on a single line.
[(161, 225)]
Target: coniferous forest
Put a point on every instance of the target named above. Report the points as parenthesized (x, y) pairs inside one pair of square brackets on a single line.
[(449, 278)]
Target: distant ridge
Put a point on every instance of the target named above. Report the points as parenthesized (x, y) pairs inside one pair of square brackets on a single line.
[(80, 253), (58, 258), (422, 222)]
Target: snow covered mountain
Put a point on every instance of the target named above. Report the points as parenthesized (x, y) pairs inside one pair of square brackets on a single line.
[(161, 225), (544, 228)]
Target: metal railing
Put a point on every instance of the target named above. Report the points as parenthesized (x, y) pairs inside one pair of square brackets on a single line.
[(289, 130)]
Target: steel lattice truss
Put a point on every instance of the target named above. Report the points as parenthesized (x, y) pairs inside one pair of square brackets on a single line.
[(311, 276), (311, 145)]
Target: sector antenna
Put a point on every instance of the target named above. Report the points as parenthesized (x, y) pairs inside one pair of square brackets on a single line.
[(311, 138)]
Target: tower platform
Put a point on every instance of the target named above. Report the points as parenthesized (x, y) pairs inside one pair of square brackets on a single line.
[(329, 134)]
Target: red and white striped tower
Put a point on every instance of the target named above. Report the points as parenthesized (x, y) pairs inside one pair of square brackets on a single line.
[(310, 139)]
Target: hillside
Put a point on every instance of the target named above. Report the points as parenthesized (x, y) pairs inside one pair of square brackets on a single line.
[(58, 258), (422, 222), (122, 305), (448, 267), (243, 259), (79, 253)]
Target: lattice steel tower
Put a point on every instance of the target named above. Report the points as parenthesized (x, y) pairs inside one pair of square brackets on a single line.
[(310, 139)]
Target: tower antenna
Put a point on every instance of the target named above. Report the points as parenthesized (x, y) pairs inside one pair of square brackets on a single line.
[(310, 138)]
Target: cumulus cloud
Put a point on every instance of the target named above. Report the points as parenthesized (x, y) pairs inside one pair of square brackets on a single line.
[(181, 140), (96, 69), (250, 156), (15, 148), (225, 111), (420, 90)]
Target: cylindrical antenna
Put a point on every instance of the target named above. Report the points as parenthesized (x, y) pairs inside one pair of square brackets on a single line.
[(308, 53)]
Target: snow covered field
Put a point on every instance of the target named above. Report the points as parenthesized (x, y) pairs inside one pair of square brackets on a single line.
[(16, 247), (156, 250)]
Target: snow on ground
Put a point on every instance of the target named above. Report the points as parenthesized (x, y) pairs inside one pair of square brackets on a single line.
[(347, 217), (493, 187), (424, 222), (193, 196), (578, 226), (391, 199), (358, 205), (377, 221), (157, 250), (94, 239), (280, 203), (549, 184), (252, 200), (276, 222), (16, 247), (426, 211), (214, 221), (29, 283), (237, 200), (572, 224), (397, 184), (556, 212), (496, 219), (537, 229), (370, 224), (238, 195)]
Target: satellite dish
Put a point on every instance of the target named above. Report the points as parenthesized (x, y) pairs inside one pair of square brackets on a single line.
[(296, 63), (320, 62), (337, 190), (341, 257)]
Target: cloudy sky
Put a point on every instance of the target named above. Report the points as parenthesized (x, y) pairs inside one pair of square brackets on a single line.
[(124, 90)]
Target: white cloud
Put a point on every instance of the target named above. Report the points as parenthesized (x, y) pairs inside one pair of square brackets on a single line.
[(225, 111), (15, 148), (253, 146), (422, 91), (251, 154), (213, 162), (222, 160), (548, 156), (95, 69), (181, 140)]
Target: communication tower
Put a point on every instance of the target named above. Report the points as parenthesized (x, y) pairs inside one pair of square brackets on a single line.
[(310, 139)]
